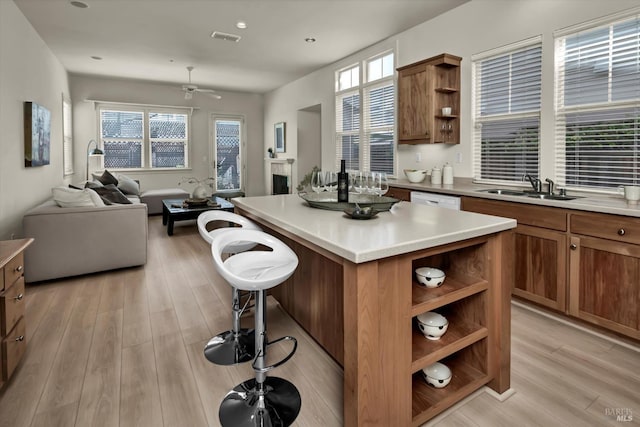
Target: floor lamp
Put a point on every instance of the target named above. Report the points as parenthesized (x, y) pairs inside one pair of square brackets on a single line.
[(95, 152)]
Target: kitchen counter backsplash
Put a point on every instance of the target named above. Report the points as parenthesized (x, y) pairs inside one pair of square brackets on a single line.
[(592, 202)]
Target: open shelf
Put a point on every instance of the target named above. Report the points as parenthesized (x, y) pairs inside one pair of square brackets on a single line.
[(446, 89), (453, 289), (467, 376), (449, 117)]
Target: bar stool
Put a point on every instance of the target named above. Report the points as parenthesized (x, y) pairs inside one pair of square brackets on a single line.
[(263, 400), (236, 345)]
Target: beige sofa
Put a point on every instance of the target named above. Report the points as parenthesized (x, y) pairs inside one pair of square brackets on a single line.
[(74, 241)]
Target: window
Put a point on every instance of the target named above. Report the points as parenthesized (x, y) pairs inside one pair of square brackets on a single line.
[(365, 115), (506, 112), (67, 137), (227, 142), (144, 138), (598, 104)]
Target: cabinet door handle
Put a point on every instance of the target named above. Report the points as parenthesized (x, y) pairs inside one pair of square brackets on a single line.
[(573, 246), (19, 268), (19, 297), (20, 338), (621, 232)]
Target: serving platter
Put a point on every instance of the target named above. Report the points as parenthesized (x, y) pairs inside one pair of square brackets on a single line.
[(329, 201)]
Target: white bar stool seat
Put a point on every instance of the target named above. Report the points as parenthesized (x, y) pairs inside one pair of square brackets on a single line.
[(263, 400), (236, 345)]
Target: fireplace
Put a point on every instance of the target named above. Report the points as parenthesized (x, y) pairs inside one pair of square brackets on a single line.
[(280, 184)]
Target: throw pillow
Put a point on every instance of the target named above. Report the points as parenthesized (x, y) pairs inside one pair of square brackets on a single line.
[(106, 178), (72, 198), (128, 185), (111, 193)]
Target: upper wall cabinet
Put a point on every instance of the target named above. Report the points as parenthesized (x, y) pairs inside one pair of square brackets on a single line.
[(429, 101)]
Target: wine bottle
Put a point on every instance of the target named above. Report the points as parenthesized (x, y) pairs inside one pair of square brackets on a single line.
[(343, 183)]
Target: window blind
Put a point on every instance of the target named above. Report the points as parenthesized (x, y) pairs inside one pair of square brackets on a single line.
[(506, 112), (365, 115), (598, 105)]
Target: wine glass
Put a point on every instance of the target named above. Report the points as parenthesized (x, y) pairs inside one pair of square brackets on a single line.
[(359, 182), (382, 183), (331, 181), (317, 181)]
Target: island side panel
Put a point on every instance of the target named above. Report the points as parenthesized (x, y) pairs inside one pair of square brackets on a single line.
[(377, 378), (502, 276)]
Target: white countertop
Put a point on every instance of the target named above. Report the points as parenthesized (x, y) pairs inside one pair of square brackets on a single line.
[(591, 202), (407, 227)]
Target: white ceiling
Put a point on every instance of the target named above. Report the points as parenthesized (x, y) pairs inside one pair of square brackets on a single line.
[(157, 39)]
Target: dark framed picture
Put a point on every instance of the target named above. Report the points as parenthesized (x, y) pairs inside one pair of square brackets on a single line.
[(37, 134), (279, 137)]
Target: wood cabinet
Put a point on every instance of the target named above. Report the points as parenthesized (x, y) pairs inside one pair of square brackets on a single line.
[(399, 193), (424, 89), (12, 323), (604, 271), (540, 262)]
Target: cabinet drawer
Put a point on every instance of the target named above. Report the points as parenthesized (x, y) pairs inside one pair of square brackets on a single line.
[(535, 216), (14, 269), (13, 348), (399, 193), (612, 227), (11, 306), (1, 279)]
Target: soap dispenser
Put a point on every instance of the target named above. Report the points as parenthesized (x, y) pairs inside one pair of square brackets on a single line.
[(447, 174)]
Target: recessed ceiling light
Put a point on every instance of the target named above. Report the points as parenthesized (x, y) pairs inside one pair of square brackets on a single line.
[(79, 4), (97, 58), (241, 24), (310, 40)]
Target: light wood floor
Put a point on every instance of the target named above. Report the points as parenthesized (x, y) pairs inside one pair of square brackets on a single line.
[(125, 349)]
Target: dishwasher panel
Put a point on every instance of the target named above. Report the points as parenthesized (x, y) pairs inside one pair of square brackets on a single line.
[(432, 199)]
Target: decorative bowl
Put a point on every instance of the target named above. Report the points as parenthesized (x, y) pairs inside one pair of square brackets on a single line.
[(361, 213), (432, 325), (415, 175), (430, 277), (437, 375)]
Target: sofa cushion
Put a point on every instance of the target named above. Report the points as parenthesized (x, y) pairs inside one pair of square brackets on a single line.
[(73, 198), (112, 194), (106, 178), (128, 185)]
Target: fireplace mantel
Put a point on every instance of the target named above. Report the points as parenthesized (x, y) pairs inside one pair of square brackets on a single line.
[(280, 166)]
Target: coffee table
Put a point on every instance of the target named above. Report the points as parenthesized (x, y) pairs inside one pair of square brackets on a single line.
[(173, 210)]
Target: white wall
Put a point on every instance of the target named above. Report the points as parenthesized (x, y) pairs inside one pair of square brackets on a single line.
[(28, 72), (471, 28), (118, 90)]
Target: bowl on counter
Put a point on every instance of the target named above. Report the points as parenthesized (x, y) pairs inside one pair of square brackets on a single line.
[(415, 175), (430, 277), (437, 375), (432, 325)]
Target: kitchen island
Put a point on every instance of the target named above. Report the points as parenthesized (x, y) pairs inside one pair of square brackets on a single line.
[(354, 291)]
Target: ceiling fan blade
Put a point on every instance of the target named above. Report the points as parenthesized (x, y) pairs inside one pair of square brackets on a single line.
[(188, 95)]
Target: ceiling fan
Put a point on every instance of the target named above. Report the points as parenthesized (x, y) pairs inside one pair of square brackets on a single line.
[(190, 88)]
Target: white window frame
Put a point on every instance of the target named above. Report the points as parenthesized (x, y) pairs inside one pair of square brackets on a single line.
[(361, 89), (146, 140), (67, 137), (605, 107), (478, 120)]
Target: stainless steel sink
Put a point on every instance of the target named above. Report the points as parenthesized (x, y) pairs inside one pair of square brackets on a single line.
[(504, 191), (528, 193), (546, 196)]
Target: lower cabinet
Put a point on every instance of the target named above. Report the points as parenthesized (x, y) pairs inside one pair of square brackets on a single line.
[(540, 263), (583, 264), (399, 193), (604, 274)]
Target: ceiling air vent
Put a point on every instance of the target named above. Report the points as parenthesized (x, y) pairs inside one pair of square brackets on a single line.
[(225, 36)]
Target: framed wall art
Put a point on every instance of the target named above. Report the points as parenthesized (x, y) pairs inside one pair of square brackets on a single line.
[(279, 137), (37, 134)]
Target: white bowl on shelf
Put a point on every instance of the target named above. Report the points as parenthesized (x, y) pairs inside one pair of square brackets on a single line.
[(415, 175), (438, 375), (432, 325), (430, 277)]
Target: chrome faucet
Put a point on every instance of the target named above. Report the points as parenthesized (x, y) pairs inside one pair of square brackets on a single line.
[(535, 183), (551, 185)]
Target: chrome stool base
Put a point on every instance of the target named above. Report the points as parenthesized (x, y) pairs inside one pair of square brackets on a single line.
[(229, 348), (241, 406)]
